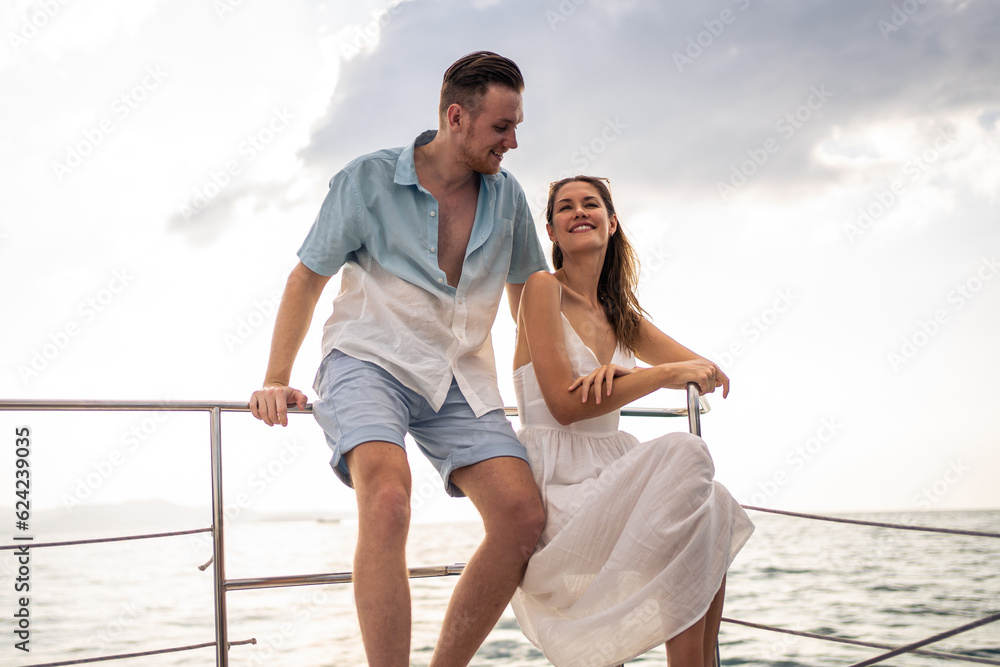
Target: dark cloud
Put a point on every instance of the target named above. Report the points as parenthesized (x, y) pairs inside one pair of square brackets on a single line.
[(687, 89)]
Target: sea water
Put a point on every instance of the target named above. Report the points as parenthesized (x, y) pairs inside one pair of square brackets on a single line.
[(866, 583)]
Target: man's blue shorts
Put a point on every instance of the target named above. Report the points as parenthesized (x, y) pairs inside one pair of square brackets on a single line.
[(358, 401)]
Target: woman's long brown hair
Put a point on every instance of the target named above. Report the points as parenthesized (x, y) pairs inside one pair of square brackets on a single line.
[(619, 275)]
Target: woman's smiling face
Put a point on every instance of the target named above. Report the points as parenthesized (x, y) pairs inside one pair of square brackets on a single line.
[(579, 217)]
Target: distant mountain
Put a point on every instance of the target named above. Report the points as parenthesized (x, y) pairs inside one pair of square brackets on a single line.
[(145, 516), (140, 516)]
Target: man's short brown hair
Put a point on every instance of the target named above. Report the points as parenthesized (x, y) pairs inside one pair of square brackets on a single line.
[(467, 79)]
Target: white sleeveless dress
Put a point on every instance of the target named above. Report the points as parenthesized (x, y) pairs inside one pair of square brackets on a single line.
[(638, 535)]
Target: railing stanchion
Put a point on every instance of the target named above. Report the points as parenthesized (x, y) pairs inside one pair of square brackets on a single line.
[(694, 409), (218, 543)]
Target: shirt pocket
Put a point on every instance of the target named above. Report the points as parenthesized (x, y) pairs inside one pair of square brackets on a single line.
[(496, 252)]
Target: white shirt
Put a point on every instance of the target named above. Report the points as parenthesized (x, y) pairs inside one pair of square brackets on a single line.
[(395, 307)]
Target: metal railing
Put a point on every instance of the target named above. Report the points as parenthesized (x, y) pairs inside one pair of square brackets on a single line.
[(221, 586)]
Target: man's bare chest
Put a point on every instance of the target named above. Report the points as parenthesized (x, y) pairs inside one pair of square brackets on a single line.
[(455, 220)]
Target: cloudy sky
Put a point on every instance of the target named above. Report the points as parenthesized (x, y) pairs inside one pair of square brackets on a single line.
[(813, 188)]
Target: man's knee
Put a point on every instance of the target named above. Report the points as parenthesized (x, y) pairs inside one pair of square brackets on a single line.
[(534, 524), (505, 494), (381, 477), (387, 504), (384, 511), (531, 512), (523, 517)]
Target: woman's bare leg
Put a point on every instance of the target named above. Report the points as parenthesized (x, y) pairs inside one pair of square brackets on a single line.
[(685, 650), (695, 647), (713, 619)]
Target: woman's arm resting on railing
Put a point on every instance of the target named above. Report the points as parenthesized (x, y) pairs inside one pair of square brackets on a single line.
[(540, 323), (656, 347)]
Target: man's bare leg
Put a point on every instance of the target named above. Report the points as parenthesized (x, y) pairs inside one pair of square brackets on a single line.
[(504, 492), (381, 477)]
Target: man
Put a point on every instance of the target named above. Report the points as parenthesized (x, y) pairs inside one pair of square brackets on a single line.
[(427, 236)]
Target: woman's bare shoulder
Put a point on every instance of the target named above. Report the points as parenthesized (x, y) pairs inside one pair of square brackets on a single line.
[(541, 285), (541, 278)]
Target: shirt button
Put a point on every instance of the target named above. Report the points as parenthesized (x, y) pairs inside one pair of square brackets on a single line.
[(433, 248), (432, 214), (440, 280), (461, 301)]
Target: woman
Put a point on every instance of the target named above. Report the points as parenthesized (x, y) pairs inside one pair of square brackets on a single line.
[(639, 536)]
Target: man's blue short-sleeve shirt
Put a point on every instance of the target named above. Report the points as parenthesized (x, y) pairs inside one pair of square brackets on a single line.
[(376, 202), (395, 307)]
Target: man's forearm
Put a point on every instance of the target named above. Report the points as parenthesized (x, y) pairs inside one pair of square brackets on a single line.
[(295, 312), (514, 298)]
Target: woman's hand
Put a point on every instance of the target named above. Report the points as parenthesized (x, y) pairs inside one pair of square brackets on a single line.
[(702, 372), (602, 375)]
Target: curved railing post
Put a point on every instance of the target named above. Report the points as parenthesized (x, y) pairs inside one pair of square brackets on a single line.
[(694, 409)]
